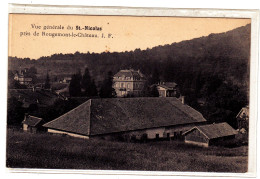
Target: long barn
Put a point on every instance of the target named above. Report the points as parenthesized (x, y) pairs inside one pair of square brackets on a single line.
[(128, 119)]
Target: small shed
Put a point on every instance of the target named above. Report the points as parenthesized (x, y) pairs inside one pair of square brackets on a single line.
[(32, 124), (168, 89), (210, 134)]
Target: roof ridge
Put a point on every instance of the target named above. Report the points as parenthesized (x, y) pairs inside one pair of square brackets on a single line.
[(196, 127), (176, 106), (35, 116)]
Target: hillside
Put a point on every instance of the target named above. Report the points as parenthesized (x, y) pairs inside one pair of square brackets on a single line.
[(226, 53), (212, 72)]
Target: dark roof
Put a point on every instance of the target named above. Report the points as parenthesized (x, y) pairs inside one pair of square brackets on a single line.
[(28, 96), (212, 131), (77, 120), (129, 73), (32, 120), (100, 116), (168, 85)]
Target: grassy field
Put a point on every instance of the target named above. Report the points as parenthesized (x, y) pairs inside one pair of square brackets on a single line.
[(25, 150)]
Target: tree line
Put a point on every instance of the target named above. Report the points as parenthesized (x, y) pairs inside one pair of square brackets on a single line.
[(85, 86)]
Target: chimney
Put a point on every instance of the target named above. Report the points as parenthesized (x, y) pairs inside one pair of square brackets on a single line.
[(183, 99)]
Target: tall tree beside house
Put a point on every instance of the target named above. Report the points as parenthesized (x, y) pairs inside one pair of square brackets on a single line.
[(47, 84), (75, 87), (93, 90), (86, 83), (79, 74), (32, 72), (155, 76), (146, 90), (154, 92), (107, 90)]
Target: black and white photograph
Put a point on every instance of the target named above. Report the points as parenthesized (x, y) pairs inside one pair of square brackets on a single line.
[(129, 92)]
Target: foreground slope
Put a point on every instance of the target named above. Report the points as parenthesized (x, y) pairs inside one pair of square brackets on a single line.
[(25, 150)]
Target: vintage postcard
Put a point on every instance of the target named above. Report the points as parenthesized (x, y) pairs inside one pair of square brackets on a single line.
[(132, 90)]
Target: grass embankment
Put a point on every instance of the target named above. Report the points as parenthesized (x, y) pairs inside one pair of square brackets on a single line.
[(25, 150)]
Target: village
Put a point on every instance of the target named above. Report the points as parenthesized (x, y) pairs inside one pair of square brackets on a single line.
[(125, 108)]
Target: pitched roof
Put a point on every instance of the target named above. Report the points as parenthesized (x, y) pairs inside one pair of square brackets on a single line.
[(212, 131), (32, 120), (130, 73), (77, 120), (168, 85), (100, 116)]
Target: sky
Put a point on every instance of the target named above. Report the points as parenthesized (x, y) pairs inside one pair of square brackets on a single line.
[(122, 33)]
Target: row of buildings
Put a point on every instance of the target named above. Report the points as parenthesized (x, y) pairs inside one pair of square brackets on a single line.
[(139, 118), (125, 82), (131, 82)]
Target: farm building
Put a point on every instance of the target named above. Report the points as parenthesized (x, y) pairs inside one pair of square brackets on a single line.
[(210, 134), (168, 89), (32, 124), (128, 119)]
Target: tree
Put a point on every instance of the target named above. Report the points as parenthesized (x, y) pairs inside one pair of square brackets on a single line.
[(75, 87), (93, 90), (86, 83), (47, 84), (154, 92), (32, 70), (106, 90), (146, 90), (11, 81), (155, 76), (15, 111), (32, 73)]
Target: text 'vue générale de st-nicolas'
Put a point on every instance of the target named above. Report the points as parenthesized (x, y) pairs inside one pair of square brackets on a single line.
[(77, 31)]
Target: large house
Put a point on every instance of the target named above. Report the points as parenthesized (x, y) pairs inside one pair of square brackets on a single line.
[(128, 119), (22, 77), (128, 82)]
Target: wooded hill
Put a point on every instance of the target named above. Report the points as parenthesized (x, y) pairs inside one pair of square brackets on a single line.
[(212, 69)]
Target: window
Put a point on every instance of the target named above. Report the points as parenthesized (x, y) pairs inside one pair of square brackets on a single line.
[(122, 85), (157, 136), (168, 135)]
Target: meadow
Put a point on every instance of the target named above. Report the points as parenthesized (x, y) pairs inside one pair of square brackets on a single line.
[(26, 150)]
